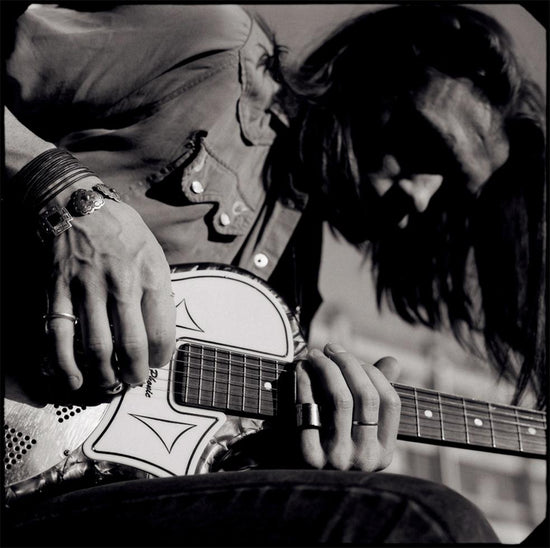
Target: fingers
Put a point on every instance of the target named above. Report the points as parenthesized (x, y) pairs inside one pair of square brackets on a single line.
[(360, 410), (120, 341), (340, 384), (309, 438), (390, 367), (130, 338), (389, 413), (60, 335), (97, 340), (159, 315)]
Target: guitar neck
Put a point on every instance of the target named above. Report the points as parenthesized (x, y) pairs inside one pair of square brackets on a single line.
[(242, 384)]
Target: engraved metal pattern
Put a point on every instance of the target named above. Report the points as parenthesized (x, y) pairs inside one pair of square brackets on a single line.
[(107, 192), (85, 202), (53, 221)]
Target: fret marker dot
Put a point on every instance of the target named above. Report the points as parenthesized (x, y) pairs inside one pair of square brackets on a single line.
[(268, 385), (532, 430), (428, 413), (478, 422)]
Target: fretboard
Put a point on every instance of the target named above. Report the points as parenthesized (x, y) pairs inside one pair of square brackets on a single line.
[(242, 384)]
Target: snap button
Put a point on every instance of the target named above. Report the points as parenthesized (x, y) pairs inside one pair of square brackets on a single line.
[(224, 219), (196, 187), (260, 260), (238, 208)]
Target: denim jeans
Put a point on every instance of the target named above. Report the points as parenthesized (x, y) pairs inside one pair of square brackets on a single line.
[(282, 507)]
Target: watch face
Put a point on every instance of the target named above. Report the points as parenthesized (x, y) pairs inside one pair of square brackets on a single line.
[(84, 202)]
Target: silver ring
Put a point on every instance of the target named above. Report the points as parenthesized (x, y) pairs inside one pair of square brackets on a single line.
[(62, 315), (113, 389), (307, 415), (364, 423)]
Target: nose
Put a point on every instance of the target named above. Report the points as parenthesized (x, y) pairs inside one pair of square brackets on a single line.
[(421, 188)]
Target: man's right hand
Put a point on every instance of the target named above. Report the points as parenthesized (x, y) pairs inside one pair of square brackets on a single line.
[(111, 273)]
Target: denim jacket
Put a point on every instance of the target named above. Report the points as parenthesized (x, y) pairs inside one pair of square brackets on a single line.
[(172, 106)]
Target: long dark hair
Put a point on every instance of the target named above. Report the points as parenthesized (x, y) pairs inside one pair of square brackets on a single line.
[(474, 264)]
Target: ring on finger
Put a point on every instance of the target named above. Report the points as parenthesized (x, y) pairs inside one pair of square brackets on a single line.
[(307, 415), (62, 315), (113, 389), (364, 423)]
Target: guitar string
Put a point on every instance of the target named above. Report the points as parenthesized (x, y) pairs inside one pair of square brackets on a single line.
[(253, 395), (497, 407), (514, 421), (472, 405), (535, 443)]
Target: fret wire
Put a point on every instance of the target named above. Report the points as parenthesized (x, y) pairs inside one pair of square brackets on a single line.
[(236, 376), (187, 371), (451, 415), (248, 387), (201, 366), (491, 424), (215, 371), (228, 382), (259, 388), (532, 417), (230, 405), (244, 381), (529, 414), (417, 417), (534, 442), (465, 421), (440, 416), (519, 433), (460, 424), (271, 364), (276, 401)]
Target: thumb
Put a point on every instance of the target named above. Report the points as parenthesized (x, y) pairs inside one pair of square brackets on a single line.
[(390, 367)]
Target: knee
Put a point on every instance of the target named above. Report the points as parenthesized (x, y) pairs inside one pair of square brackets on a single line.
[(437, 509)]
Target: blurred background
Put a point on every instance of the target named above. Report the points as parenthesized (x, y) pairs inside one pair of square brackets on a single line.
[(511, 491)]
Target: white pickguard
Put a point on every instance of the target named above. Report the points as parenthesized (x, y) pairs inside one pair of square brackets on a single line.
[(146, 428)]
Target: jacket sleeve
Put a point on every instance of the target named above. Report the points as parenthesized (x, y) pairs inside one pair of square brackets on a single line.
[(71, 65)]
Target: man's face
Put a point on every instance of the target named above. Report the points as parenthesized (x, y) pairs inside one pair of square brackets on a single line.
[(447, 133)]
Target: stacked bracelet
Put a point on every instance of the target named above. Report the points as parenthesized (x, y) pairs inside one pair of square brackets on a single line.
[(47, 175)]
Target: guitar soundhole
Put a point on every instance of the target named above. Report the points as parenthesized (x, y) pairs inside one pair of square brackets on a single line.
[(64, 413), (17, 444)]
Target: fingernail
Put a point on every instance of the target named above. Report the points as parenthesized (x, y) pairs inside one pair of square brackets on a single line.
[(314, 352), (74, 382), (335, 348)]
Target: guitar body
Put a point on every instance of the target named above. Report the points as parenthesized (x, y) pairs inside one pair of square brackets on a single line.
[(187, 413)]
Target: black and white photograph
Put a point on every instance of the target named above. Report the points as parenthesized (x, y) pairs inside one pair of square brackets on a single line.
[(274, 274)]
